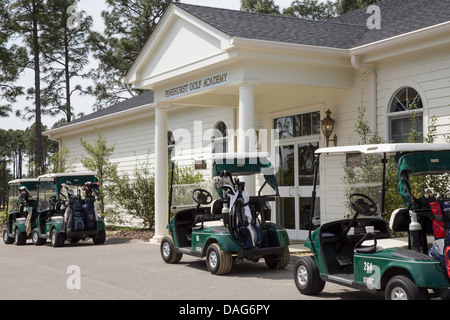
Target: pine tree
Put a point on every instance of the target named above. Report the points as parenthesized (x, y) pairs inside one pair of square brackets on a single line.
[(65, 54), (129, 24), (311, 9), (260, 6), (26, 17), (344, 6), (12, 60)]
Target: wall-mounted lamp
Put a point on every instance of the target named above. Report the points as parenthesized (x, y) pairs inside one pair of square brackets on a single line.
[(328, 128)]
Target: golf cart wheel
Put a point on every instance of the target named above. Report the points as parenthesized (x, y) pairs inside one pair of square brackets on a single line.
[(6, 238), (37, 241), (403, 288), (20, 238), (218, 261), (57, 239), (278, 263), (100, 238), (168, 252), (306, 276)]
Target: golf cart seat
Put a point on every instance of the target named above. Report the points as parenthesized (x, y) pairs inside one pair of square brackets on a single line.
[(377, 245), (400, 220), (367, 246), (370, 243), (380, 239), (209, 220)]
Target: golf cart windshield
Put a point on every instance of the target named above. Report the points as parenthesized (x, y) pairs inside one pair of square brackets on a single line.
[(348, 168), (14, 193), (345, 174), (75, 181), (244, 165), (237, 164), (420, 163)]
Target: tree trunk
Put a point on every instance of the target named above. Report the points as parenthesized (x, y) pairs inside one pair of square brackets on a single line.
[(37, 84), (67, 74)]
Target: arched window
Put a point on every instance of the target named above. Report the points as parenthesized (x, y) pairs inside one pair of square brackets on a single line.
[(170, 144), (220, 138), (405, 116)]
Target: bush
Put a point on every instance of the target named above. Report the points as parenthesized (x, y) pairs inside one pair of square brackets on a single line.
[(136, 195), (3, 217)]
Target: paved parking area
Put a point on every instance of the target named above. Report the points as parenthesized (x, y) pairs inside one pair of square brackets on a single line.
[(130, 269)]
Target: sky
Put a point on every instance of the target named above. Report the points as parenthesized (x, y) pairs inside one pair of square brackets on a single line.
[(83, 103)]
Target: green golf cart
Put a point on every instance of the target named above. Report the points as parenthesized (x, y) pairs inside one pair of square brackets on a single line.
[(67, 210), (21, 209), (359, 252), (230, 226)]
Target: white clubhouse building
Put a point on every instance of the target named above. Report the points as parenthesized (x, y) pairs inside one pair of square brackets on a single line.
[(212, 70)]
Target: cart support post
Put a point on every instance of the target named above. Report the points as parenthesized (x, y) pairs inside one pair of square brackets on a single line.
[(313, 204), (383, 189)]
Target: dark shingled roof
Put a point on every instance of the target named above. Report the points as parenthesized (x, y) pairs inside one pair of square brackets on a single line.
[(138, 101), (344, 32), (399, 17), (258, 26)]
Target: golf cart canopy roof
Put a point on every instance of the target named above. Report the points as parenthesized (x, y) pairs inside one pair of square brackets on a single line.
[(69, 174), (236, 163), (20, 181), (220, 156), (74, 178), (387, 148)]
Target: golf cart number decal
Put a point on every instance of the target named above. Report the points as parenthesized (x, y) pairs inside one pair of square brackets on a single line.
[(372, 281), (368, 267)]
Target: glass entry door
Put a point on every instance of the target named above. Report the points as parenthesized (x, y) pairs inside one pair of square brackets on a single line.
[(295, 180)]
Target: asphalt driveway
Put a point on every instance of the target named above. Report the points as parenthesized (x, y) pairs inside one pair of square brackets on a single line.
[(133, 270)]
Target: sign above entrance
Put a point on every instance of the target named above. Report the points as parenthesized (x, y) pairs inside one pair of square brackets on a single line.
[(209, 82)]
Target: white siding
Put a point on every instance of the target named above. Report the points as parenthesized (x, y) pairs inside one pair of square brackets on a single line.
[(429, 74), (134, 140)]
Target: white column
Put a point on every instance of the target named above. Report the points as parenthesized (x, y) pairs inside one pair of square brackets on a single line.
[(161, 175), (246, 134)]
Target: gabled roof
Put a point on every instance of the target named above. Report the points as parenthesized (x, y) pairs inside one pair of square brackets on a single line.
[(257, 26), (344, 32), (138, 101)]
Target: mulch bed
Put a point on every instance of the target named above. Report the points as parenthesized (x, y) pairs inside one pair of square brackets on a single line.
[(140, 234)]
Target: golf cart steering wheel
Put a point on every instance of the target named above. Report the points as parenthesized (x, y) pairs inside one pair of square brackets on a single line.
[(202, 196), (362, 204)]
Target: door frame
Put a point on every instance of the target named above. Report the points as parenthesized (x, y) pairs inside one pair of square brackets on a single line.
[(296, 191)]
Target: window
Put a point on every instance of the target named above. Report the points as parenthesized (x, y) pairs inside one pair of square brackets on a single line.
[(405, 115), (301, 125), (219, 138)]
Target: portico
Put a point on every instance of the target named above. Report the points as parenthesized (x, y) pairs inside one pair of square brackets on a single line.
[(188, 62)]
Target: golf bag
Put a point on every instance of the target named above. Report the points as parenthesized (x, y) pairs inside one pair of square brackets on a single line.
[(77, 214), (241, 224), (441, 230), (90, 219), (26, 207), (73, 216), (438, 220)]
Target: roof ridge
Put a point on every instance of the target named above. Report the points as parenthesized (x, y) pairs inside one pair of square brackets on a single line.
[(268, 14)]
